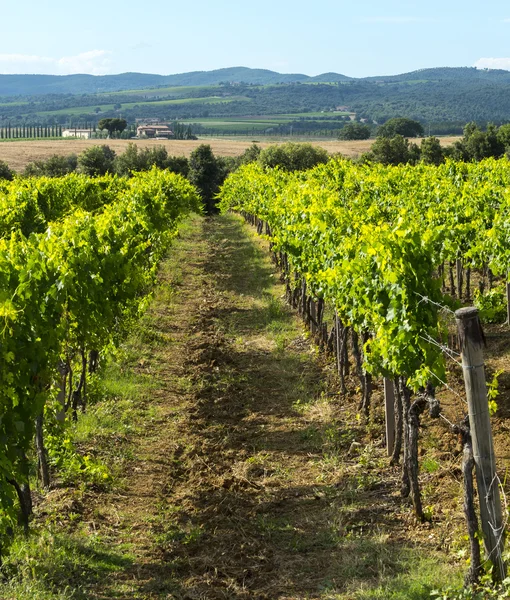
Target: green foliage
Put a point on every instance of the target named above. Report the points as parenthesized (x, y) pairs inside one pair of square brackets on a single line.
[(250, 155), (493, 392), (293, 157), (113, 126), (492, 304), (48, 565), (477, 144), (54, 166), (96, 160), (394, 150), (207, 174), (485, 590), (355, 131), (503, 135), (5, 171), (134, 159), (368, 239), (68, 286), (431, 152), (178, 165), (400, 126), (72, 466), (370, 266)]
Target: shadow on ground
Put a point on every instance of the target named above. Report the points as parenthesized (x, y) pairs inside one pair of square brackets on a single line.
[(270, 521)]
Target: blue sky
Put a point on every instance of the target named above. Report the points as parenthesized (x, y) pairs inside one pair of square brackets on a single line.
[(354, 38)]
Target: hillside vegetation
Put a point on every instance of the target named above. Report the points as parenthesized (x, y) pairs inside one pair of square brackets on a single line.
[(432, 96)]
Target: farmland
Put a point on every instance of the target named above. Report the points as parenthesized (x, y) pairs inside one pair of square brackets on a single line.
[(17, 154), (445, 99), (225, 394)]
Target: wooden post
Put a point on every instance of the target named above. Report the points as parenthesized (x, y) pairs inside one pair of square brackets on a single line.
[(458, 265), (471, 340), (338, 345), (508, 298), (313, 316), (389, 406)]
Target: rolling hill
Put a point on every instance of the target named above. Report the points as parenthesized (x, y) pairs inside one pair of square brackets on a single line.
[(438, 96)]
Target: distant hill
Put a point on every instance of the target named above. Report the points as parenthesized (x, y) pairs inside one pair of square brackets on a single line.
[(436, 96), (447, 74), (39, 85)]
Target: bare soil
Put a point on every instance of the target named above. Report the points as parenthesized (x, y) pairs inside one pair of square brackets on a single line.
[(18, 154), (256, 480)]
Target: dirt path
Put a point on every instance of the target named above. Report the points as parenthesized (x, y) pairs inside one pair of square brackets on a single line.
[(242, 485)]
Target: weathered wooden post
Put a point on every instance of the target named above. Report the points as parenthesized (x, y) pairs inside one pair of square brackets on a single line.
[(458, 266), (389, 406), (508, 298), (471, 340), (338, 345), (313, 316)]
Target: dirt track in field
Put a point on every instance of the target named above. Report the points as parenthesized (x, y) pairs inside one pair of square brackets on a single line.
[(18, 154), (245, 487)]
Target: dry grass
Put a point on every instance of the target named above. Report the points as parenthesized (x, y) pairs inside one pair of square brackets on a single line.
[(18, 154)]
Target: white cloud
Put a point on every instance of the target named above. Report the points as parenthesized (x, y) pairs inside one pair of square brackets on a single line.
[(493, 63), (94, 62), (15, 63)]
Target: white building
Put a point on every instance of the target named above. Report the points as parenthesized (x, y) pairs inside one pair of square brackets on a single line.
[(77, 133)]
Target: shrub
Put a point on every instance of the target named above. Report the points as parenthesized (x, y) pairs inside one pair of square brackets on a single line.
[(293, 157), (5, 171), (96, 160), (54, 166), (492, 304)]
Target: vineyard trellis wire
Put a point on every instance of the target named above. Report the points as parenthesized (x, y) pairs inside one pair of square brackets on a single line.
[(374, 243)]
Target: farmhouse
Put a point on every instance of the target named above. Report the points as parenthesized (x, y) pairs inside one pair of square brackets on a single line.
[(78, 133), (154, 131)]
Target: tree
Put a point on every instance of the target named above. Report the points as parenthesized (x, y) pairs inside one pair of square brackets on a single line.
[(477, 144), (250, 155), (392, 151), (179, 165), (5, 171), (400, 126), (355, 131), (54, 166), (128, 162), (205, 173), (431, 151), (504, 136), (112, 125), (293, 157), (96, 160)]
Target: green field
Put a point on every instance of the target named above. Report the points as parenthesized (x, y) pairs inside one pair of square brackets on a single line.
[(89, 110), (259, 123), (152, 102), (178, 90)]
